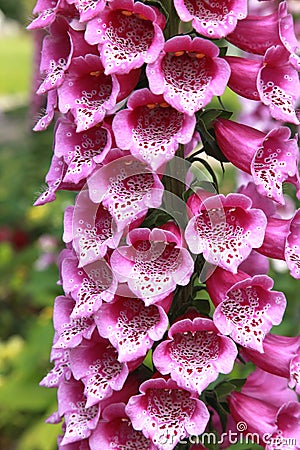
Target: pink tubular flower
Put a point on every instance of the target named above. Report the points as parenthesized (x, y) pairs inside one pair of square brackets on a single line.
[(272, 79), (195, 354), (224, 229), (130, 326), (129, 34), (61, 370), (87, 92), (115, 431), (282, 242), (166, 413), (152, 129), (153, 263), (212, 19), (88, 8), (47, 11), (81, 152), (188, 73), (89, 286), (126, 187), (47, 117), (256, 34), (246, 308), (270, 158)]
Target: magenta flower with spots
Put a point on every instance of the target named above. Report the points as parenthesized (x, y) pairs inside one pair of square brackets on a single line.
[(195, 354), (130, 326), (88, 8), (270, 158), (90, 228), (212, 19), (88, 286), (61, 370), (126, 187), (81, 151), (224, 229), (153, 262), (188, 73), (165, 413), (115, 431), (47, 117), (129, 34), (282, 241), (256, 34), (246, 308), (47, 11), (152, 129)]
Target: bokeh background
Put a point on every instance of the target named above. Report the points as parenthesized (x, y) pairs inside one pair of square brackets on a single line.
[(30, 240)]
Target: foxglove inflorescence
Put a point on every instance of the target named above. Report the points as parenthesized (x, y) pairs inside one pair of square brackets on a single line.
[(140, 360)]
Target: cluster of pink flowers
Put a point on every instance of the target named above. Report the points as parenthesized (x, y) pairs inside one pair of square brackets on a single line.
[(135, 354)]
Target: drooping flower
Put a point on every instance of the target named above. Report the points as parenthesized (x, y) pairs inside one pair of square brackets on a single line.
[(115, 430), (60, 371), (282, 242), (88, 8), (256, 33), (212, 19), (224, 229), (188, 73), (47, 11), (126, 187), (129, 34), (130, 326), (166, 413), (153, 262), (246, 308), (152, 129), (195, 354), (47, 117), (270, 158)]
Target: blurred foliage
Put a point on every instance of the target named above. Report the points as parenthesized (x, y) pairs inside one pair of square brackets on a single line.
[(19, 10)]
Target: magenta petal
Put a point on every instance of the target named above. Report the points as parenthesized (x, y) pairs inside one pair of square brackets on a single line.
[(292, 246)]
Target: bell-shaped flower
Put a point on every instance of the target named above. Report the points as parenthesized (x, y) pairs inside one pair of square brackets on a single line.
[(126, 187), (115, 430), (88, 9), (270, 79), (153, 262), (81, 151), (224, 229), (246, 308), (256, 33), (70, 332), (212, 19), (152, 129), (95, 363), (270, 158), (130, 326), (47, 116), (188, 73), (195, 354), (166, 413), (47, 11), (282, 241), (80, 421), (60, 371), (129, 34), (88, 286), (90, 228)]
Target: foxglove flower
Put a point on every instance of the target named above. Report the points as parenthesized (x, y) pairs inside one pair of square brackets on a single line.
[(129, 34), (152, 263), (47, 11), (256, 34), (166, 413), (126, 187), (47, 117), (270, 158), (116, 431), (195, 354), (152, 129), (80, 421), (88, 286), (246, 308), (212, 19), (61, 370), (88, 8), (282, 242), (224, 229), (272, 79), (188, 73), (130, 326), (90, 229)]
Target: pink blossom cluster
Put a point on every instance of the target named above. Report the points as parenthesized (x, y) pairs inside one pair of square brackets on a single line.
[(136, 357)]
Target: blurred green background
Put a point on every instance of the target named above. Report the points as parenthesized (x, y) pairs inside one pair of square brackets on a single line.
[(30, 240)]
